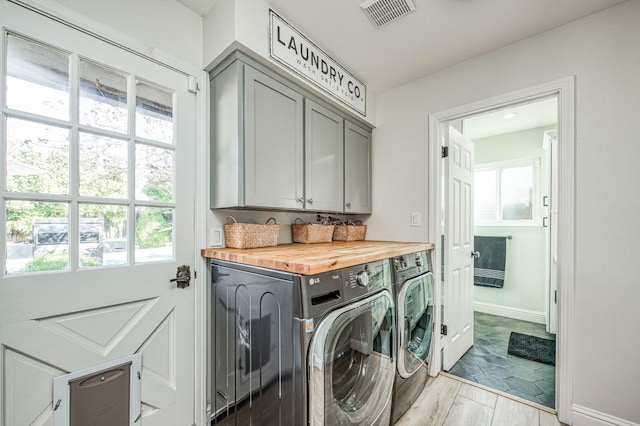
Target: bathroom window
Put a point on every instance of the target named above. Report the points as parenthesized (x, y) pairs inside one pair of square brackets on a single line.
[(504, 193)]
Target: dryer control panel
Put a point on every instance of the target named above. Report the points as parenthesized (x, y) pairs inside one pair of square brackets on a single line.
[(325, 291)]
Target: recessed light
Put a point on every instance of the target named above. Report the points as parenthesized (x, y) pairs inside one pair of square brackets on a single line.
[(509, 116)]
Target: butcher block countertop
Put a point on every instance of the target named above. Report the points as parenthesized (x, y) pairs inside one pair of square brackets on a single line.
[(310, 259)]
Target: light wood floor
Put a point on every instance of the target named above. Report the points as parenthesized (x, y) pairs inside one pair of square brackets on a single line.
[(451, 402)]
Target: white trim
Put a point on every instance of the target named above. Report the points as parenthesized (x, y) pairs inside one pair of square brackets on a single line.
[(564, 89), (107, 34), (584, 416), (509, 312), (201, 203)]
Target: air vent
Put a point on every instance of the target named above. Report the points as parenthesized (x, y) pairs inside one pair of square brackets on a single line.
[(383, 12)]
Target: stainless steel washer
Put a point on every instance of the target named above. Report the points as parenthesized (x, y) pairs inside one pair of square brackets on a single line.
[(302, 349), (413, 291)]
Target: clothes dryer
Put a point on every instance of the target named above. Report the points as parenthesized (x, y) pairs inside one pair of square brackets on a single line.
[(413, 291), (294, 349)]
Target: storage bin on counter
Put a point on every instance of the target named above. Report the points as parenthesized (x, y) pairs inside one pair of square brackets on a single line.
[(351, 231), (251, 235), (308, 233)]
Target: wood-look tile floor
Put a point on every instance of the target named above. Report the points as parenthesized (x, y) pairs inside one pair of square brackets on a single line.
[(448, 401)]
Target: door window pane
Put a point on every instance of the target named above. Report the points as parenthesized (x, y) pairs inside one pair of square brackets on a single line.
[(103, 235), (154, 173), (154, 112), (37, 236), (103, 166), (37, 78), (485, 196), (154, 234), (517, 193), (37, 158), (103, 97)]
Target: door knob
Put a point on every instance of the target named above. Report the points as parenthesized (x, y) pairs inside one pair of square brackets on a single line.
[(183, 276), (475, 254)]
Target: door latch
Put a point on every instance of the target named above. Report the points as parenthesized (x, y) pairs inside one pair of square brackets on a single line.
[(183, 276)]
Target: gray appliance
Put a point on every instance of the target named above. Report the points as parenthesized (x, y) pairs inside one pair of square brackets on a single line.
[(413, 291), (294, 349)]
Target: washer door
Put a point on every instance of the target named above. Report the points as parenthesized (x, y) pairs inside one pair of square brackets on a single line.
[(351, 364), (415, 324)]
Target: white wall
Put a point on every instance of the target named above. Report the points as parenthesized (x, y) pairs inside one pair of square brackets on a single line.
[(602, 52), (159, 28), (523, 294)]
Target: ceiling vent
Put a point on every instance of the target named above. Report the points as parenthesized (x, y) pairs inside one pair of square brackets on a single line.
[(383, 12)]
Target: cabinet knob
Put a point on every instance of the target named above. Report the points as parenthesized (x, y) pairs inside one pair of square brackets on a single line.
[(300, 200), (348, 204), (310, 201)]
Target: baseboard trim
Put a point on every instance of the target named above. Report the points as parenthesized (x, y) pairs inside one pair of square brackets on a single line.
[(583, 416), (509, 312)]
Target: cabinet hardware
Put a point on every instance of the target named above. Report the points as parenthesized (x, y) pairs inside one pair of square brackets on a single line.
[(348, 204)]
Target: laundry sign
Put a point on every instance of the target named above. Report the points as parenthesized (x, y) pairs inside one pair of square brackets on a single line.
[(296, 52)]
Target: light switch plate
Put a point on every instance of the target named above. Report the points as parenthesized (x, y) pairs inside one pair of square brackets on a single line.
[(415, 219)]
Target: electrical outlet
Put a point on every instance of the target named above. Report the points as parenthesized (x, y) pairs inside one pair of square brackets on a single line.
[(214, 236), (415, 219)]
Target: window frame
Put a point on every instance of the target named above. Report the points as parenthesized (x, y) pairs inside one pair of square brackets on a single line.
[(498, 167)]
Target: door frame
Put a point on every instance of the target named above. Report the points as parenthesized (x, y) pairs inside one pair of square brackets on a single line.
[(564, 90)]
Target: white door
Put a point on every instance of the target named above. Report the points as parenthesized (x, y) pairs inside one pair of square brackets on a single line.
[(458, 247), (96, 211), (551, 234)]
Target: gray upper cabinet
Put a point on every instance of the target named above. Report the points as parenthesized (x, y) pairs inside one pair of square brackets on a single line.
[(357, 169), (275, 147), (273, 142), (324, 151), (257, 157)]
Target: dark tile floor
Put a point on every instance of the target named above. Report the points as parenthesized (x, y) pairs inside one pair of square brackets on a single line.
[(488, 363)]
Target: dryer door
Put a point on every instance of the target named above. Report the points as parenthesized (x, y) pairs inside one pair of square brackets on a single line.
[(351, 364), (415, 323)]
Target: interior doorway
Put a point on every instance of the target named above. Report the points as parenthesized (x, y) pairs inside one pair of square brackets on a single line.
[(562, 92)]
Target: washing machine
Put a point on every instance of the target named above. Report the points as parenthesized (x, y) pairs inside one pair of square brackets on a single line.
[(292, 349), (413, 292)]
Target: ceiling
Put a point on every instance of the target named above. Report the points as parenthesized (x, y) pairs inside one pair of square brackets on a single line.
[(527, 116), (438, 34)]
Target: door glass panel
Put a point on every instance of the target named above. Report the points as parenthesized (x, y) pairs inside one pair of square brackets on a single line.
[(103, 166), (418, 322), (103, 97), (356, 356), (37, 78), (37, 157), (103, 235), (154, 112), (517, 193), (154, 173), (154, 234), (37, 236)]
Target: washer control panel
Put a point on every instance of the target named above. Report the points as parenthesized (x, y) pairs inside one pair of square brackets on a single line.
[(410, 265)]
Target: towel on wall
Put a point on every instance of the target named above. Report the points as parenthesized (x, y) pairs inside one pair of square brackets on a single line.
[(489, 267)]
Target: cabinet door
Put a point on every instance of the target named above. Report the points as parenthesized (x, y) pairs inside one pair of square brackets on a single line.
[(324, 162), (357, 169), (273, 143)]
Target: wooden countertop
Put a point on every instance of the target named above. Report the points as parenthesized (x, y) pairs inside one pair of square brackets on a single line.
[(309, 259)]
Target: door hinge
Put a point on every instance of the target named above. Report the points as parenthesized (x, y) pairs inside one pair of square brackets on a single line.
[(443, 329), (445, 151)]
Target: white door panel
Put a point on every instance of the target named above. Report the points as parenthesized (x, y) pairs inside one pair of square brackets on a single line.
[(458, 243), (53, 323)]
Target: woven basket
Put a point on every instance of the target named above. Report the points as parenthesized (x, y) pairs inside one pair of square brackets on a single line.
[(349, 232), (251, 235), (307, 233)]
